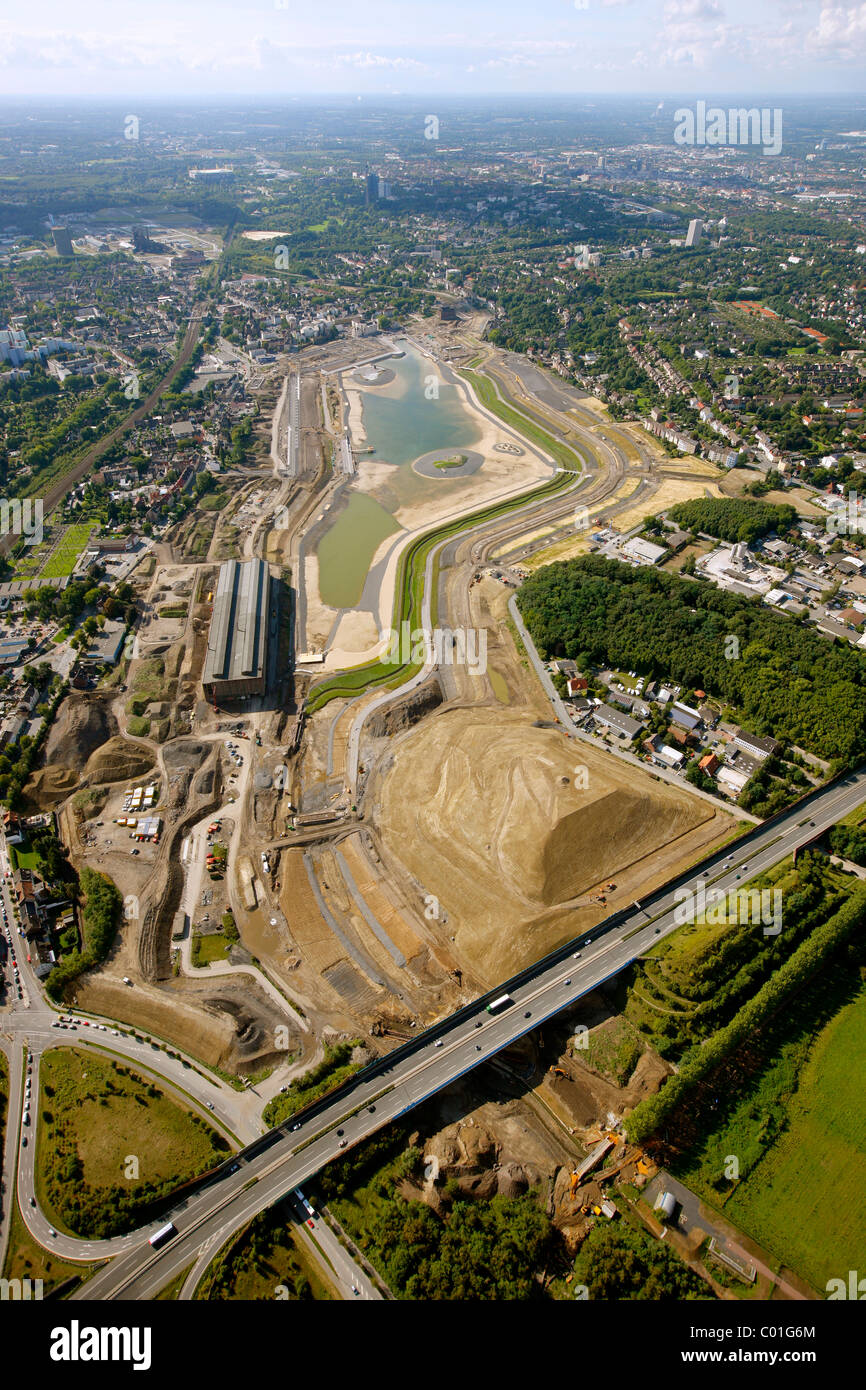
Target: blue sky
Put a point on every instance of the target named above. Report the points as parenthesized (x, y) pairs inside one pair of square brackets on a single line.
[(212, 47)]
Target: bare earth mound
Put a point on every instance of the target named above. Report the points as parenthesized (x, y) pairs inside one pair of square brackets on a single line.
[(118, 761), (489, 814), (49, 786), (84, 723)]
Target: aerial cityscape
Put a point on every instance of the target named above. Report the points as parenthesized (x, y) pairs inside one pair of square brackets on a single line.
[(433, 665)]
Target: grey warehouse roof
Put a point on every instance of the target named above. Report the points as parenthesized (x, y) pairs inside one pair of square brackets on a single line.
[(236, 641)]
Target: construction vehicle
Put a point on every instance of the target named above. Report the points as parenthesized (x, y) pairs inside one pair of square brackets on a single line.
[(574, 1182), (610, 887), (557, 1071)]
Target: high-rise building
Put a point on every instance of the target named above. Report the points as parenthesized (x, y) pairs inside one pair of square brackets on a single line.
[(62, 241), (371, 189), (693, 235)]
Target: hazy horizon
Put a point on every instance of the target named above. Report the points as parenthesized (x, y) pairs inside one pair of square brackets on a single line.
[(192, 49)]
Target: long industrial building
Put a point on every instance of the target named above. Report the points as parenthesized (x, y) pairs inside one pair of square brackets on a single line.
[(237, 647)]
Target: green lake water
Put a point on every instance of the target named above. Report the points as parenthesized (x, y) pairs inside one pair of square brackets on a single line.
[(399, 428)]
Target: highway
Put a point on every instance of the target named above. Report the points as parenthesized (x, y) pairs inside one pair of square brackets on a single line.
[(271, 1168)]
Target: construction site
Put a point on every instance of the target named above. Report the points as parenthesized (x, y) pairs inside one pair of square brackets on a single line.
[(391, 855)]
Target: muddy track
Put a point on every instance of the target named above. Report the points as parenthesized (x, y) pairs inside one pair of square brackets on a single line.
[(164, 893)]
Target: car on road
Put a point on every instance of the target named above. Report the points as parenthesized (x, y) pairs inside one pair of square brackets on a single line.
[(438, 1042), (52, 1232), (528, 1014), (567, 982), (209, 1104), (33, 1201), (343, 1143)]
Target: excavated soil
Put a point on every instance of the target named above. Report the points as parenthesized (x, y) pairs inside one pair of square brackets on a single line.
[(489, 813), (118, 760), (84, 723)]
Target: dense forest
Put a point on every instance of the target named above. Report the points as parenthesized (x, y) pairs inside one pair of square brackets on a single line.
[(619, 1262), (470, 1249), (732, 519), (787, 680)]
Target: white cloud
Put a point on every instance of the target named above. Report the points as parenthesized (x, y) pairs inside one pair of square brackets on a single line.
[(841, 31), (375, 60), (709, 10), (513, 60)]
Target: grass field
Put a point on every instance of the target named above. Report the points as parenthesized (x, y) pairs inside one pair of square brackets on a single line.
[(50, 561), (209, 948), (789, 1107), (22, 858), (804, 1199), (27, 1260), (94, 1115), (65, 555)]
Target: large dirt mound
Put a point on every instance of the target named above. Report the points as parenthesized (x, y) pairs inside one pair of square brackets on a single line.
[(490, 814), (49, 786), (118, 760), (84, 723)]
